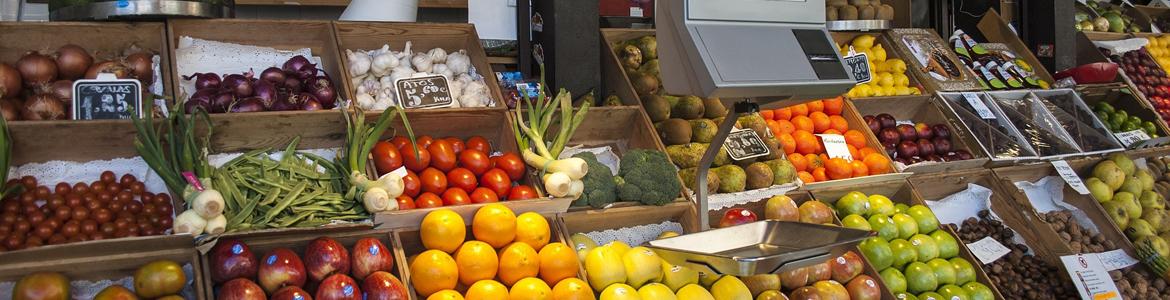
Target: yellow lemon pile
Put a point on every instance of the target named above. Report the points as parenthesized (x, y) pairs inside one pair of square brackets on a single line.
[(888, 74)]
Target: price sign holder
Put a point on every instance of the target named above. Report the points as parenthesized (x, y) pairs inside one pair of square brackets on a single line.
[(1090, 277), (106, 98), (1070, 176), (858, 64), (424, 92), (744, 144), (980, 108), (1132, 137), (835, 146)]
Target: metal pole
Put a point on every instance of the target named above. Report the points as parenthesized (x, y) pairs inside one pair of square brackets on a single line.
[(741, 108)]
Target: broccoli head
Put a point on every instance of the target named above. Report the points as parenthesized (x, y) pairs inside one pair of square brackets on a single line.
[(600, 189), (647, 176)]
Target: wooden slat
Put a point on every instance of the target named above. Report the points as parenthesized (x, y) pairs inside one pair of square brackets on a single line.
[(502, 60), (421, 3)]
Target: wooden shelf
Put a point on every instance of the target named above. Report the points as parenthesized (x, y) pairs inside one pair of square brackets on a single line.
[(503, 60), (421, 3)]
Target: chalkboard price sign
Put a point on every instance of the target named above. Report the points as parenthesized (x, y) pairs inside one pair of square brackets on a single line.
[(744, 144), (105, 98), (424, 92), (859, 66)]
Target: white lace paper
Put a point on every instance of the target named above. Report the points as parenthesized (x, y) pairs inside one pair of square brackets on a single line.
[(604, 155), (958, 207), (203, 56), (725, 200), (85, 290), (635, 235), (1122, 46), (1047, 195)]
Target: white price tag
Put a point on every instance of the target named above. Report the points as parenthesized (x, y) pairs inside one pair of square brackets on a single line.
[(636, 12), (1116, 259), (401, 171), (1066, 172), (988, 250), (903, 122), (1090, 277), (835, 146), (1130, 137), (977, 104)]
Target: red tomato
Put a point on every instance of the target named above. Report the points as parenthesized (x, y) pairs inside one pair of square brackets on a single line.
[(428, 200), (475, 160), (413, 162), (511, 164), (400, 141), (433, 180), (479, 143), (456, 144), (522, 192), (455, 196), (462, 178), (411, 185), (442, 155), (484, 195), (386, 157), (497, 181), (405, 203)]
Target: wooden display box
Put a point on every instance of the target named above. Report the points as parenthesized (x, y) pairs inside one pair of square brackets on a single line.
[(959, 116), (624, 217), (108, 261), (757, 207), (845, 37), (940, 54), (297, 241), (1152, 14), (1123, 98), (423, 37), (851, 115), (922, 109), (995, 30), (613, 75)]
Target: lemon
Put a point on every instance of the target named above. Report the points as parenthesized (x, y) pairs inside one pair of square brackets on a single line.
[(879, 53), (915, 91), (620, 292), (675, 277), (878, 92), (852, 93), (863, 42), (896, 65), (889, 91), (603, 267), (901, 80), (864, 90), (730, 288), (642, 266), (693, 292), (1153, 42), (877, 66), (656, 291), (901, 90), (619, 247), (884, 79)]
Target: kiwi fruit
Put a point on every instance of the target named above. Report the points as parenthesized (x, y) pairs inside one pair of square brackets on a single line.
[(675, 131), (645, 84), (866, 12), (713, 108), (847, 12), (885, 12), (830, 14), (858, 2), (836, 3), (657, 107), (688, 107)]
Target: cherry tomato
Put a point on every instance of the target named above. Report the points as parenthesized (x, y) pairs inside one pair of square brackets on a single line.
[(424, 141), (442, 155), (410, 184), (109, 177), (497, 181), (479, 143), (127, 179), (522, 192), (512, 164), (29, 182), (386, 157), (484, 195), (462, 178), (428, 200), (476, 161), (63, 189), (80, 188), (433, 180), (455, 196), (415, 161), (42, 192), (456, 144), (400, 141), (405, 202)]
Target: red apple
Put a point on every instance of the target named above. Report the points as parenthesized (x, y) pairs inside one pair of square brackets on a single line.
[(369, 256), (231, 259), (794, 279), (925, 147), (942, 145), (924, 131), (291, 293), (737, 216), (281, 267), (886, 120), (907, 132), (325, 256), (874, 124), (863, 287), (338, 287), (889, 136), (240, 289), (941, 130), (384, 286), (907, 149), (846, 266), (805, 293)]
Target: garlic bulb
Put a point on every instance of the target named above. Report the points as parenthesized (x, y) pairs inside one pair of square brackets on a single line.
[(366, 101), (368, 86), (442, 69), (405, 56), (359, 62), (385, 99), (456, 88), (422, 62), (438, 55), (473, 94), (382, 64), (399, 73), (459, 62)]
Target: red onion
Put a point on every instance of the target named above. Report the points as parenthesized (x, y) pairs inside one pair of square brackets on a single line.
[(283, 105), (36, 69), (250, 104), (311, 105), (204, 95), (204, 80), (273, 75), (193, 105), (293, 85), (141, 64), (9, 81), (120, 71), (323, 89), (62, 89), (43, 107), (73, 61), (8, 110), (266, 91), (239, 84), (298, 64), (221, 101)]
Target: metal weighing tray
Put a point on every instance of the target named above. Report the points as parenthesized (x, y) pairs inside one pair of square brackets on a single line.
[(763, 247)]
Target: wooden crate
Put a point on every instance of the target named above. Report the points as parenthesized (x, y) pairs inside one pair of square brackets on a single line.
[(845, 37), (856, 122), (296, 241), (107, 261), (423, 37), (613, 75), (1119, 98), (966, 81), (623, 217), (757, 207), (924, 110)]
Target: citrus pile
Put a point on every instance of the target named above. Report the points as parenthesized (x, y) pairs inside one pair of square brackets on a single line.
[(888, 74), (797, 128), (510, 257), (1159, 48)]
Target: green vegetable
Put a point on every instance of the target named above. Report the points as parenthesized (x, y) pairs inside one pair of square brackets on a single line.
[(648, 177), (5, 159), (600, 188), (173, 148)]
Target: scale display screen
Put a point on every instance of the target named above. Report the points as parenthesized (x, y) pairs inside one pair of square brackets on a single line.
[(784, 11)]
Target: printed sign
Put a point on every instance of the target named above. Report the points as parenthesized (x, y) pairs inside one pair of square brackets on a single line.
[(424, 92), (980, 108), (744, 144), (835, 146), (859, 65), (988, 250), (1090, 277), (1131, 137), (106, 98), (1116, 259), (1070, 176)]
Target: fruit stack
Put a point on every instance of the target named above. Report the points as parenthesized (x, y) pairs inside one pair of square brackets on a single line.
[(1127, 194), (1119, 120), (1149, 78), (797, 128), (914, 254), (1110, 18), (888, 74), (910, 143), (781, 208), (688, 138), (159, 279), (451, 171), (1159, 48), (847, 10), (501, 262)]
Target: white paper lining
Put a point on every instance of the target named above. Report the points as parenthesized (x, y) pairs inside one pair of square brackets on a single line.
[(635, 235), (958, 207), (1047, 195)]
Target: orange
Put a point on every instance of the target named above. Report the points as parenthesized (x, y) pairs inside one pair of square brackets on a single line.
[(859, 168), (802, 123), (487, 290), (517, 261), (806, 142), (787, 142), (853, 152), (443, 230), (834, 106), (767, 114), (798, 162), (816, 106), (799, 110), (824, 158), (865, 151), (814, 162), (476, 261), (820, 121), (831, 131), (494, 224), (782, 113), (530, 289), (838, 123), (806, 177), (532, 229), (819, 174), (557, 262), (773, 126), (446, 295), (838, 168), (785, 126), (877, 163), (855, 138), (433, 271), (572, 289)]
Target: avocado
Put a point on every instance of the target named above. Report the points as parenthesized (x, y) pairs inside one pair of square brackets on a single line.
[(703, 130), (657, 107), (688, 107), (675, 131)]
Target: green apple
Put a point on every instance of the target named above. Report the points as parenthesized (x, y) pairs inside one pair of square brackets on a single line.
[(853, 203), (964, 271), (884, 227), (1160, 246), (924, 217), (878, 252), (931, 296), (1146, 179), (901, 208), (905, 296), (907, 226), (856, 222), (1138, 228), (1100, 191), (894, 280), (944, 272), (880, 205), (1154, 217), (1129, 202), (1132, 184), (978, 291), (920, 278), (1109, 173), (904, 252), (953, 292), (1123, 162), (927, 248), (947, 245), (1151, 199), (1116, 211)]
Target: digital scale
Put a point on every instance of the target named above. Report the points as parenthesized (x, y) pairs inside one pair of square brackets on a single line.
[(749, 53)]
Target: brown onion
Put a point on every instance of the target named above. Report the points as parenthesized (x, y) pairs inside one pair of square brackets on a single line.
[(62, 89), (120, 71), (73, 61), (36, 69), (8, 110), (43, 107), (141, 65), (9, 81)]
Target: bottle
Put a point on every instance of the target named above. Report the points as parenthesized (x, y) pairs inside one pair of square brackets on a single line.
[(974, 49), (985, 75), (1030, 81), (1012, 81)]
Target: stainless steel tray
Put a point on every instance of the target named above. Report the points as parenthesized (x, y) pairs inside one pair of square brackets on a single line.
[(857, 25), (144, 9), (759, 247)]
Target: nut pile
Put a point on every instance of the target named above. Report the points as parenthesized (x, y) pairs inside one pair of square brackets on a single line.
[(1081, 240), (1017, 275), (1138, 283)]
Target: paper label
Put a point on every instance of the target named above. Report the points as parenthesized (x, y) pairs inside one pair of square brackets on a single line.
[(903, 122), (980, 108), (424, 92), (1066, 172), (1116, 259), (636, 12), (1090, 277), (744, 144), (1130, 137), (859, 65), (401, 171), (835, 146), (988, 250)]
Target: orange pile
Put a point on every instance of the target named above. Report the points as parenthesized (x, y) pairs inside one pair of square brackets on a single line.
[(797, 127)]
